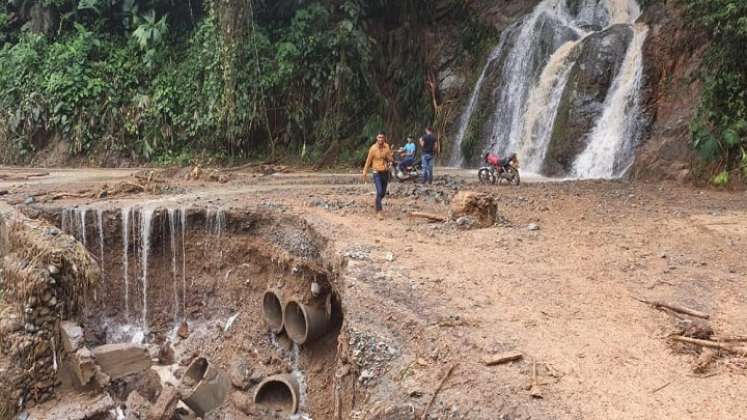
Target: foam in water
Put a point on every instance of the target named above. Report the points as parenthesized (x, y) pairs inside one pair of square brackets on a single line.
[(608, 153), (126, 258)]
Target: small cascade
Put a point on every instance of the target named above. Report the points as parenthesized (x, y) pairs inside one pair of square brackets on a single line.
[(100, 227), (146, 216), (83, 212), (456, 157), (542, 107), (216, 224), (300, 377), (172, 231), (609, 151), (183, 212), (126, 258)]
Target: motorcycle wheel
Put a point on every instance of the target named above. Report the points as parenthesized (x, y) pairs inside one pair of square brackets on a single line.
[(515, 179), (485, 176)]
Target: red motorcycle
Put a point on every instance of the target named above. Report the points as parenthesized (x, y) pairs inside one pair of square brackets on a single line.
[(499, 169)]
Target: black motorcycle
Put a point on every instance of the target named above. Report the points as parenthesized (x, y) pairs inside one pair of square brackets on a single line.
[(410, 173)]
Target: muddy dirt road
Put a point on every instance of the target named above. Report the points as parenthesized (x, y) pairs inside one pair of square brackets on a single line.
[(561, 291)]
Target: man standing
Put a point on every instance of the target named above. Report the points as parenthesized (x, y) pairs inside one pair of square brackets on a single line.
[(379, 159), (429, 145)]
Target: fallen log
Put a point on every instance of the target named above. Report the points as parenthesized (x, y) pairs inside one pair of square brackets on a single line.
[(675, 308), (711, 344), (429, 216), (729, 338)]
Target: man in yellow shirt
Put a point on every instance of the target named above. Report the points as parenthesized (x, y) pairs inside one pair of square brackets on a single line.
[(379, 159)]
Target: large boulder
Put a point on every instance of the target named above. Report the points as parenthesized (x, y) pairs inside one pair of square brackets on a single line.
[(480, 207), (597, 61), (122, 359)]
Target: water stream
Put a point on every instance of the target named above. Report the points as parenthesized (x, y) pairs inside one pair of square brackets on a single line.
[(537, 56)]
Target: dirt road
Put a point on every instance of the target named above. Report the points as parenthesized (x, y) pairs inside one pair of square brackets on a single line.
[(562, 294)]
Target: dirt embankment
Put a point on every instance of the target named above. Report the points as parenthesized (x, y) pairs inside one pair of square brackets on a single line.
[(673, 53)]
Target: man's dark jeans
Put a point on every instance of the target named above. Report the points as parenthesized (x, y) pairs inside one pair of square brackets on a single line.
[(427, 160), (406, 162), (381, 179)]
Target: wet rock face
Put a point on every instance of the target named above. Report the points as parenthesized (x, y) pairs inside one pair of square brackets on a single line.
[(599, 59)]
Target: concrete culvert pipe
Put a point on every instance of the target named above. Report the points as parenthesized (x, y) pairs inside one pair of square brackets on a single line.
[(272, 308), (304, 323), (203, 387), (278, 393)]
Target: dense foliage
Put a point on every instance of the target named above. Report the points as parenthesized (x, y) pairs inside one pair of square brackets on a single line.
[(164, 80), (720, 126)]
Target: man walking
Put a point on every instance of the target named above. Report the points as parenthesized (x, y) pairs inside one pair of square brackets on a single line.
[(429, 145), (379, 159)]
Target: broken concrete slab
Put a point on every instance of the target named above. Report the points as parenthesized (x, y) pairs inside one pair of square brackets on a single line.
[(73, 406), (72, 336), (122, 359), (165, 406), (83, 365)]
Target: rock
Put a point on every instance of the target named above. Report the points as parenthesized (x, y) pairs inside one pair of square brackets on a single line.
[(599, 59), (9, 325), (240, 374), (83, 365), (532, 226), (28, 200), (243, 402), (72, 336), (53, 269), (166, 354), (183, 330), (73, 406), (3, 192), (149, 385), (119, 360), (165, 406), (137, 406), (389, 256), (480, 207)]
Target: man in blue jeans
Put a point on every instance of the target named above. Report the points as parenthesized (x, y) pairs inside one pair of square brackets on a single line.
[(429, 145)]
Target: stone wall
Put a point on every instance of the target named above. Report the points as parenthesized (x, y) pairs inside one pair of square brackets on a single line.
[(45, 277)]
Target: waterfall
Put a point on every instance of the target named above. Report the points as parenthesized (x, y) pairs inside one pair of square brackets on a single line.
[(183, 212), (100, 223), (606, 154), (542, 107), (536, 58), (146, 216), (172, 232), (83, 225), (456, 157), (125, 257)]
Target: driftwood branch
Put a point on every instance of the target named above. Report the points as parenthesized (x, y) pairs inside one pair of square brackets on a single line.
[(675, 308), (711, 344), (431, 217), (438, 389)]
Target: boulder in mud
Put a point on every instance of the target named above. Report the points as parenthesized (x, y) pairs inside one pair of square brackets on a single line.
[(481, 208)]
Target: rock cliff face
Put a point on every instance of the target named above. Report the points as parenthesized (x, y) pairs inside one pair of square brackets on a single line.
[(673, 53), (599, 60)]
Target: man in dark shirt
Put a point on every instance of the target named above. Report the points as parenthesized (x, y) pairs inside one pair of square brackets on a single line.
[(429, 145)]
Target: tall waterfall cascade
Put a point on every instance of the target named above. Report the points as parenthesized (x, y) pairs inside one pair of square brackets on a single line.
[(543, 92)]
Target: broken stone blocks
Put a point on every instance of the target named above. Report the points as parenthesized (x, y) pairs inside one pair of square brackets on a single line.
[(119, 360), (72, 336)]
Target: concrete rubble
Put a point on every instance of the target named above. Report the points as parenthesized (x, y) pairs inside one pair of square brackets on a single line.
[(122, 359), (72, 407)]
